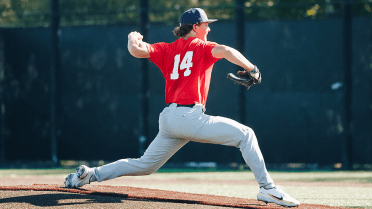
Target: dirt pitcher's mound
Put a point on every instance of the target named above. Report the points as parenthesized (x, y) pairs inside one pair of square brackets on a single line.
[(158, 195)]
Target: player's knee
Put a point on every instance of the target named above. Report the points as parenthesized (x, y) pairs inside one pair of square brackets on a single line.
[(152, 170), (247, 137), (149, 170), (250, 132), (251, 135), (148, 167)]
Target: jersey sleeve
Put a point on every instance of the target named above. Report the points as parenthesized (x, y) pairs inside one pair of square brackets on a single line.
[(157, 52), (209, 46)]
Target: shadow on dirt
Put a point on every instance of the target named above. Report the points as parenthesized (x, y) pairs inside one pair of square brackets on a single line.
[(45, 200), (68, 199)]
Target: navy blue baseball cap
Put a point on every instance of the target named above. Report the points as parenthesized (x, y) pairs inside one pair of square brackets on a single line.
[(194, 16)]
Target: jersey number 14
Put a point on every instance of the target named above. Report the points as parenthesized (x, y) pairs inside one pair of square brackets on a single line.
[(185, 64)]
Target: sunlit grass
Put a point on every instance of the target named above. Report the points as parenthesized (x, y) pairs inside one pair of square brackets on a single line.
[(336, 176), (347, 196)]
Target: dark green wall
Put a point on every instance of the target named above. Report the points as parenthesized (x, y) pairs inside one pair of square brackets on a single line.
[(296, 114)]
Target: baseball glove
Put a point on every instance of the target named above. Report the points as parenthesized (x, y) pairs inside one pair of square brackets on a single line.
[(246, 78)]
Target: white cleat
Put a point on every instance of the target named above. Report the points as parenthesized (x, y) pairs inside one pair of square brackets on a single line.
[(277, 196), (80, 178)]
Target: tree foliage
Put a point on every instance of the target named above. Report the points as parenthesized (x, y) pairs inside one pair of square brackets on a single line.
[(28, 13)]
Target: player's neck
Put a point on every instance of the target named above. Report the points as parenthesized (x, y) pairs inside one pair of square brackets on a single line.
[(192, 35)]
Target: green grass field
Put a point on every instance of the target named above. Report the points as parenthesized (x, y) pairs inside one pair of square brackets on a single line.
[(354, 196)]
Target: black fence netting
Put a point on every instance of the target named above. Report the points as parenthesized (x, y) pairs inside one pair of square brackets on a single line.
[(298, 112), (26, 13)]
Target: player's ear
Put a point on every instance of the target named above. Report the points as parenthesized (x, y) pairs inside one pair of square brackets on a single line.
[(194, 27)]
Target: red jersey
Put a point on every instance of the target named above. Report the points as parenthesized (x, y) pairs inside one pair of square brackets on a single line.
[(187, 68)]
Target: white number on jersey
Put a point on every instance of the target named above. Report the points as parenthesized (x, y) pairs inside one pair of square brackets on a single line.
[(185, 64)]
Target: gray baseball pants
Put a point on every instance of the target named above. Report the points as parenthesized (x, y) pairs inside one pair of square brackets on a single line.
[(179, 125)]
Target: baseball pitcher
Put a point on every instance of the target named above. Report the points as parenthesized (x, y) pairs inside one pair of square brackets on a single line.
[(186, 65)]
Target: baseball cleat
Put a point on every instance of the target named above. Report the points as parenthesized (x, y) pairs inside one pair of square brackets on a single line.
[(80, 178), (277, 196)]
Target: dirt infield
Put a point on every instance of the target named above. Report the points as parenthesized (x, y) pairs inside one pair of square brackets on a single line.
[(104, 196)]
